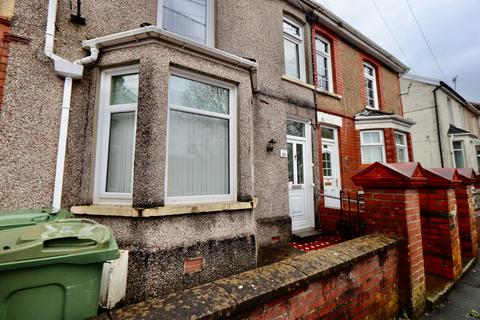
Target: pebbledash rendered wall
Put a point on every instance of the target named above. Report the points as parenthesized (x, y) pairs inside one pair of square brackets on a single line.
[(347, 100), (160, 247), (358, 279)]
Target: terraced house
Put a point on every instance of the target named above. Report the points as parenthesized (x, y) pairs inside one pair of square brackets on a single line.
[(202, 132)]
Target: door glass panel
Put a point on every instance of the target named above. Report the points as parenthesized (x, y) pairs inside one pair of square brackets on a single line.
[(290, 162), (295, 128), (299, 163), (327, 164), (327, 133)]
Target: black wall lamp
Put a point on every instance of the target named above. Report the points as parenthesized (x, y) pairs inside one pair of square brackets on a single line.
[(271, 145), (77, 18)]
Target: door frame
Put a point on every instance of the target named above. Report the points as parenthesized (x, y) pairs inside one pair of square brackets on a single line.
[(336, 144), (308, 171)]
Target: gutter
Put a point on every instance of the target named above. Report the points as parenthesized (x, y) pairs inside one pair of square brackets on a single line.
[(346, 31), (442, 163), (151, 32), (69, 71)]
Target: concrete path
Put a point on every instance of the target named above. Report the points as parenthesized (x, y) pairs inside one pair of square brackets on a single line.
[(463, 302)]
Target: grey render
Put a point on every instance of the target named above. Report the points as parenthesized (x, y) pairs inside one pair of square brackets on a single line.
[(419, 104)]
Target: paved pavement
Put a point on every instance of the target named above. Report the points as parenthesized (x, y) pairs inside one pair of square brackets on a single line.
[(463, 302)]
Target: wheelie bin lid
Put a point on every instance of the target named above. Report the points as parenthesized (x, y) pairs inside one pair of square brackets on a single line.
[(28, 217), (72, 241)]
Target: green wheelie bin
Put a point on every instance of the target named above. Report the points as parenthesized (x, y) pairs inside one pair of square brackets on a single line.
[(51, 271), (28, 217)]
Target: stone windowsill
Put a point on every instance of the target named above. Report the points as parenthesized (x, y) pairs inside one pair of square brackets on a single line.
[(170, 210), (310, 86)]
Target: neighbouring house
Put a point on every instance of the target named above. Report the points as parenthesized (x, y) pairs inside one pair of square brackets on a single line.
[(192, 127), (360, 115), (448, 130)]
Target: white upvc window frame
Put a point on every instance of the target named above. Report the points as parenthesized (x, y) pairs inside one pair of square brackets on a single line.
[(232, 195), (300, 42), (210, 32), (401, 146), (462, 149), (374, 81), (328, 56), (100, 195), (381, 143)]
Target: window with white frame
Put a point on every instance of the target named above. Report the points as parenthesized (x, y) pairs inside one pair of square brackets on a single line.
[(371, 94), (116, 136), (201, 149), (458, 154), (294, 51), (401, 146), (372, 146), (192, 19), (324, 64)]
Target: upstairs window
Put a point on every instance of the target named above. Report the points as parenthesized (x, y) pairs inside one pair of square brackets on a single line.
[(324, 64), (372, 146), (369, 73), (192, 19), (293, 46), (401, 146)]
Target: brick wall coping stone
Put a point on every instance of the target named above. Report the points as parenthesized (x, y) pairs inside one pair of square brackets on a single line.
[(391, 175), (239, 293), (442, 177)]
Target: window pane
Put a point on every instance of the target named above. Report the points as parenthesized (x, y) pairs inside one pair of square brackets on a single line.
[(371, 137), (327, 133), (402, 155), (327, 164), (372, 154), (299, 163), (368, 70), (292, 62), (198, 95), (322, 72), (187, 18), (290, 162), (459, 161), (124, 89), (295, 128), (457, 145), (400, 139), (321, 46), (198, 155), (291, 29), (120, 152)]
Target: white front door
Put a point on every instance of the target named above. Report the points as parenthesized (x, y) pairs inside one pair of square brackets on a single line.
[(300, 181), (330, 167)]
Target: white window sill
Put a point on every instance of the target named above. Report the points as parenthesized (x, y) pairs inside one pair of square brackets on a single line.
[(327, 93), (170, 210), (298, 82)]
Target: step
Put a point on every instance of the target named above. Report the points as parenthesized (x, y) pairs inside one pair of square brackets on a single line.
[(306, 235)]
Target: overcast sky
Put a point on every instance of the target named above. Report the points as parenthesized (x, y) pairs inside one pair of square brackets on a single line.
[(452, 28)]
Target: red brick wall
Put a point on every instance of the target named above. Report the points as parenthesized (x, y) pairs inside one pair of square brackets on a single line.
[(390, 146), (440, 234), (4, 44), (368, 290), (467, 221)]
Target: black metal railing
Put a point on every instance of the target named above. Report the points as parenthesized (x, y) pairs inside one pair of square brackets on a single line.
[(351, 223)]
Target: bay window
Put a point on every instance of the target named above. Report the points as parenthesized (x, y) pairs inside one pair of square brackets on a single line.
[(372, 146), (401, 146), (293, 46), (116, 136), (193, 20), (201, 148), (324, 64), (371, 94)]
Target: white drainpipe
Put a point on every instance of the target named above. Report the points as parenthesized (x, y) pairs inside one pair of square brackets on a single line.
[(69, 71)]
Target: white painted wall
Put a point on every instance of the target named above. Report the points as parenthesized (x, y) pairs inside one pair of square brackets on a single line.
[(419, 105)]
